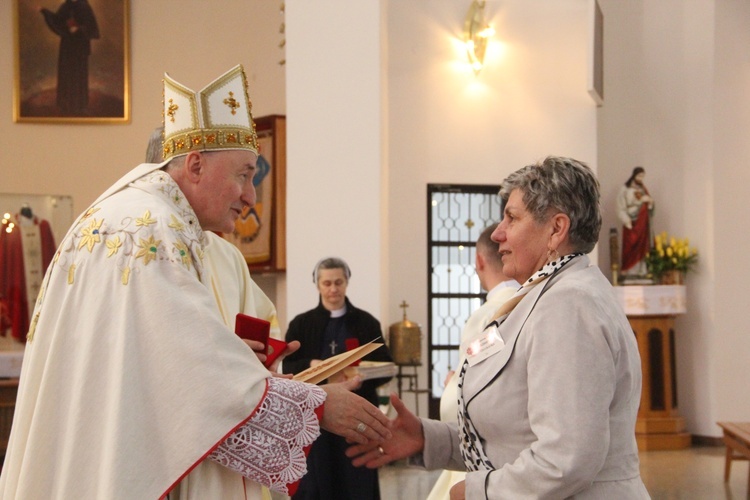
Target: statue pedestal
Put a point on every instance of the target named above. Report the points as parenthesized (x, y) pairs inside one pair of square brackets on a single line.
[(651, 311)]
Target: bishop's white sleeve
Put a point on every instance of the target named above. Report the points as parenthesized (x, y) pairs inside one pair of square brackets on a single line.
[(270, 447)]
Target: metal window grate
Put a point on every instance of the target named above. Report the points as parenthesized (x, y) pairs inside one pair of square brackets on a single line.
[(457, 214)]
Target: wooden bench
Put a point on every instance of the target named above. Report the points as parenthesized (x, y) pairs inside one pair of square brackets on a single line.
[(737, 439)]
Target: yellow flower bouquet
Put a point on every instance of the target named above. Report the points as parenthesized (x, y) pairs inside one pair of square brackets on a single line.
[(670, 254)]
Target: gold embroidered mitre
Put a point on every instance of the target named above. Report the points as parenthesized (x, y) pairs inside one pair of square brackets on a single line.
[(219, 117)]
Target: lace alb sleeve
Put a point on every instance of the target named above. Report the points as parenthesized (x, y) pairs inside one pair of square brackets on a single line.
[(269, 448)]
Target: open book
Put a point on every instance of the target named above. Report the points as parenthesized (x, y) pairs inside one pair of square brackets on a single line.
[(335, 364)]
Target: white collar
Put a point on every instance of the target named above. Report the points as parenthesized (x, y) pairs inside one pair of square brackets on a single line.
[(337, 313), (503, 284)]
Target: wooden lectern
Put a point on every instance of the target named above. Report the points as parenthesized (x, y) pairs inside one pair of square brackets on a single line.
[(651, 311)]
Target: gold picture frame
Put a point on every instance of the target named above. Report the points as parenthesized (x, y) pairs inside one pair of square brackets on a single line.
[(72, 61), (260, 232)]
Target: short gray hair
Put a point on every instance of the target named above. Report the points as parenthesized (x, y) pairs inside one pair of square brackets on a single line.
[(331, 263), (155, 150), (565, 185)]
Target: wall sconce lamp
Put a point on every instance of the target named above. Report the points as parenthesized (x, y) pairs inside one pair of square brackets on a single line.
[(476, 33)]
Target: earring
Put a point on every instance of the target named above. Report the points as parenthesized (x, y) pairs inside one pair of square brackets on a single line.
[(552, 255)]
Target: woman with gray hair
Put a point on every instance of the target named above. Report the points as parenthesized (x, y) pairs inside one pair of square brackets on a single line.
[(331, 328), (548, 399)]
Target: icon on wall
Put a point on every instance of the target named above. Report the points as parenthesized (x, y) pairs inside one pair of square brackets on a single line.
[(260, 231), (71, 61)]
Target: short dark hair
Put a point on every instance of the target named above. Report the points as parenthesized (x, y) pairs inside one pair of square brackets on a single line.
[(488, 248)]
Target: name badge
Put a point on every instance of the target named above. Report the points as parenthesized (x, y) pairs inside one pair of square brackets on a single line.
[(485, 346)]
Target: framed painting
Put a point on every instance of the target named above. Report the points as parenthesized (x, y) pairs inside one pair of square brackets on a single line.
[(596, 53), (71, 61), (260, 232)]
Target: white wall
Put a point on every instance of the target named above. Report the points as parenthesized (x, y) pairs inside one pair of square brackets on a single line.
[(729, 191), (335, 141), (676, 90)]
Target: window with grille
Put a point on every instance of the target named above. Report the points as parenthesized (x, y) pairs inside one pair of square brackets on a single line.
[(457, 214)]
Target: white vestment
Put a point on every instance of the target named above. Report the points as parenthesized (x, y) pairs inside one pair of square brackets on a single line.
[(131, 378), (472, 330), (234, 289), (235, 292)]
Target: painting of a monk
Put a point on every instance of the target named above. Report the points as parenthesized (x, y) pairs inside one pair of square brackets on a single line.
[(72, 60), (75, 23)]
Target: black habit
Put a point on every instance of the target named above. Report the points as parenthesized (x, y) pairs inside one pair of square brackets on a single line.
[(330, 473)]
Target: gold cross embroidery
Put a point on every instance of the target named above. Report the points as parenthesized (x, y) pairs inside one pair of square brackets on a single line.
[(171, 110), (232, 103)]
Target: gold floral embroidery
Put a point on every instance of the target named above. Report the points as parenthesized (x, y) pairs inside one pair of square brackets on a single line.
[(90, 235), (148, 249), (185, 257), (175, 223), (129, 240), (146, 220), (113, 245), (120, 239)]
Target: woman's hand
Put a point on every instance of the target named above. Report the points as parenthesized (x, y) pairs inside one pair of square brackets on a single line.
[(407, 440), (458, 491)]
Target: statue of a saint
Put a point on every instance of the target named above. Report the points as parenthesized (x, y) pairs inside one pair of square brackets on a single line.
[(634, 209)]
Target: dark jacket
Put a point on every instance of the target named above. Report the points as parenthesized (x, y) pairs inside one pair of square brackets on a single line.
[(308, 328)]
